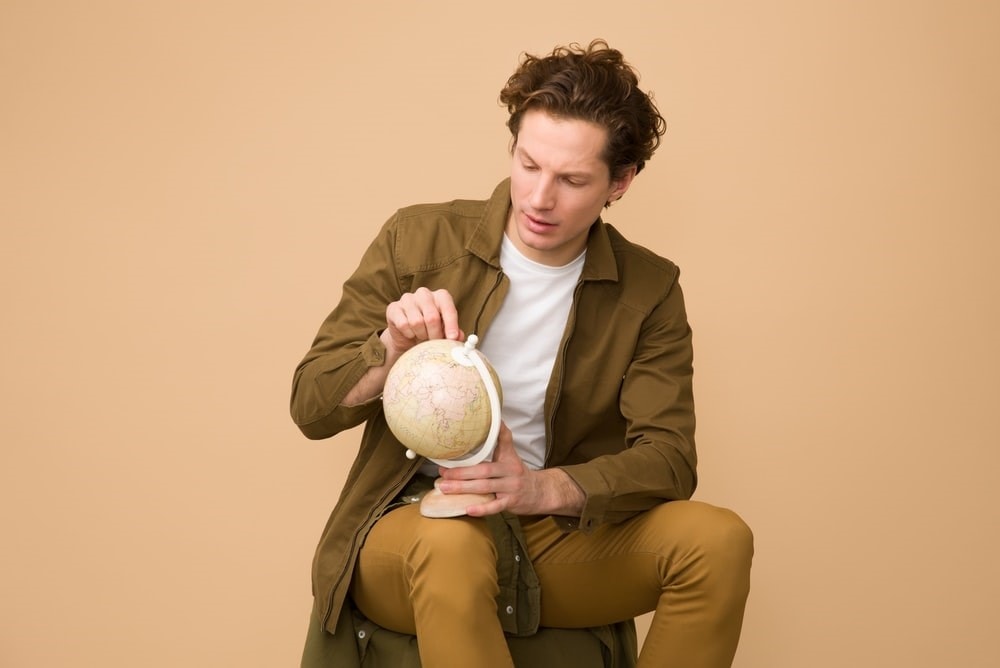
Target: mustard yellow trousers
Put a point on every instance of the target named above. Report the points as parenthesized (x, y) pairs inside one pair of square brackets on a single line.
[(686, 560)]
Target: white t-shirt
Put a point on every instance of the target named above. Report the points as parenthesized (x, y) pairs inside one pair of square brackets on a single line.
[(523, 340)]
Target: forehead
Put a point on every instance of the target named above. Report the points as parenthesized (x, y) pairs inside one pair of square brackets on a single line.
[(562, 144)]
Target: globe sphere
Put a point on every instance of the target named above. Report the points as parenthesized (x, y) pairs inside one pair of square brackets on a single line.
[(436, 404)]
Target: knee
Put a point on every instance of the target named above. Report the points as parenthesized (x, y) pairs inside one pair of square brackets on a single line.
[(728, 531), (730, 537), (727, 552), (717, 534)]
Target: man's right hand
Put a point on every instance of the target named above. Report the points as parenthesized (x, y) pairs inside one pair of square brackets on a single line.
[(417, 316), (420, 316)]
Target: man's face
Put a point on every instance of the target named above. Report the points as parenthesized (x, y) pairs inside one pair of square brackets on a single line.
[(558, 186)]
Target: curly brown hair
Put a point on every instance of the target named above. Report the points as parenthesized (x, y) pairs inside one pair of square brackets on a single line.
[(593, 84)]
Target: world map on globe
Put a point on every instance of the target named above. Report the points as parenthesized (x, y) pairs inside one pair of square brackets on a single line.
[(436, 405)]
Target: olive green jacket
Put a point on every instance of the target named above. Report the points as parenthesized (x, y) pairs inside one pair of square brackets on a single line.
[(619, 406)]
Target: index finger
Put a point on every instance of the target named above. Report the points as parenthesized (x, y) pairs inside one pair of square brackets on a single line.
[(449, 314)]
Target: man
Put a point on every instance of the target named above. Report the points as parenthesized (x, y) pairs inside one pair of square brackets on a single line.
[(590, 524)]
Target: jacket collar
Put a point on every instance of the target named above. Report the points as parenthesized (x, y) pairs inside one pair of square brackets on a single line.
[(485, 241)]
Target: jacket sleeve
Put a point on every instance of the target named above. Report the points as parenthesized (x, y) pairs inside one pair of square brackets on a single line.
[(347, 345), (658, 462)]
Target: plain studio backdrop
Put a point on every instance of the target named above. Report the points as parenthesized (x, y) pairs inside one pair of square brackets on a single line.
[(185, 185)]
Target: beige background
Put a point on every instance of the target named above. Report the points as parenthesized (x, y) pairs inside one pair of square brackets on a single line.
[(186, 184)]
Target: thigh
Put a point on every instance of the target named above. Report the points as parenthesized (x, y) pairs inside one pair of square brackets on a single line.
[(405, 547), (617, 571)]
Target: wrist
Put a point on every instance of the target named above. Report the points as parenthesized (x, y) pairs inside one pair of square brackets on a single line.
[(568, 498)]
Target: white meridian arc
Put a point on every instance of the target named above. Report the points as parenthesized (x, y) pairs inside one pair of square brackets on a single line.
[(466, 356)]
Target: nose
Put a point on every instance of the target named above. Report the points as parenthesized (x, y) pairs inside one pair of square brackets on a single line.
[(543, 194)]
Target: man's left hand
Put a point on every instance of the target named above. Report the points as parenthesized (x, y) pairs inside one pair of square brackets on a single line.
[(518, 489)]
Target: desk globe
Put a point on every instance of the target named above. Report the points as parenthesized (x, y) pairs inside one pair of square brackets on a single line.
[(442, 400)]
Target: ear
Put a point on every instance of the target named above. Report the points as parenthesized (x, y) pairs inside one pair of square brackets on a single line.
[(620, 185)]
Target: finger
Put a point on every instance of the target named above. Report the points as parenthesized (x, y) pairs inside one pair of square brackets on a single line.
[(438, 313), (494, 507), (477, 486), (415, 315), (505, 450), (424, 315), (398, 323), (483, 471), (449, 314)]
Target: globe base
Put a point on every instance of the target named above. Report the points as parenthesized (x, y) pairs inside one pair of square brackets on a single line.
[(436, 504)]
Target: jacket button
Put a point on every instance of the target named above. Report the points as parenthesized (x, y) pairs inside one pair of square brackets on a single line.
[(510, 610), (361, 635)]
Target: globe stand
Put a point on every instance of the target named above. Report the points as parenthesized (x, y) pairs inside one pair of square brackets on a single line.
[(435, 503)]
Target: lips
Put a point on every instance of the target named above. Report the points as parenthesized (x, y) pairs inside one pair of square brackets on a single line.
[(537, 223)]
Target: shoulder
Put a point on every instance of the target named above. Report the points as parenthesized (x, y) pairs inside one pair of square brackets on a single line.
[(429, 235), (640, 269), (456, 212), (438, 223), (432, 235), (438, 216)]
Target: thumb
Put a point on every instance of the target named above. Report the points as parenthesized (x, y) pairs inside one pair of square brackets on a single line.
[(505, 444)]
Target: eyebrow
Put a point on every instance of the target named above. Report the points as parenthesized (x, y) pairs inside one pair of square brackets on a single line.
[(574, 175)]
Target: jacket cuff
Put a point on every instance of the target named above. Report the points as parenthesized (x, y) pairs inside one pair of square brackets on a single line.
[(322, 421), (373, 350), (597, 492)]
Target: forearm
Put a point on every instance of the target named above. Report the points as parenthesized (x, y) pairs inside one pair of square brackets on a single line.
[(373, 381), (323, 381), (564, 496), (656, 461), (621, 485)]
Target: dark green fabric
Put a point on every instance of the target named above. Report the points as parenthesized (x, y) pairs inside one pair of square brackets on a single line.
[(359, 643), (519, 601)]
